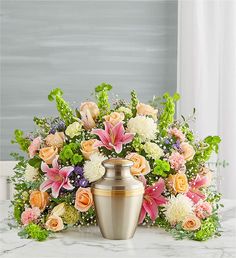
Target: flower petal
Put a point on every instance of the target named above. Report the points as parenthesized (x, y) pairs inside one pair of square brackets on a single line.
[(44, 167), (55, 162), (46, 185), (156, 189), (151, 207), (118, 131), (103, 135), (142, 215), (68, 186), (65, 171), (118, 147), (128, 137), (56, 186)]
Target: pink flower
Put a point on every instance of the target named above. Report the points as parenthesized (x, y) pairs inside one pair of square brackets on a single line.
[(176, 160), (152, 199), (30, 215), (203, 210), (34, 147), (194, 192), (177, 134), (57, 178), (113, 137)]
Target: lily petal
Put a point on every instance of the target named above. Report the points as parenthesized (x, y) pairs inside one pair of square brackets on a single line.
[(65, 171), (44, 167), (56, 186), (45, 185), (55, 162), (156, 189), (128, 137), (103, 135), (142, 215), (151, 208), (68, 186)]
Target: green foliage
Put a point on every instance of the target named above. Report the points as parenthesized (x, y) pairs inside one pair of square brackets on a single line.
[(34, 231), (18, 209), (203, 153), (70, 153), (102, 98), (167, 116), (35, 162), (42, 123), (88, 218), (134, 102), (137, 144), (208, 229), (161, 167), (63, 107), (19, 138)]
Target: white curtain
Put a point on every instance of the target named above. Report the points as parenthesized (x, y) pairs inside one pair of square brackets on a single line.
[(207, 76)]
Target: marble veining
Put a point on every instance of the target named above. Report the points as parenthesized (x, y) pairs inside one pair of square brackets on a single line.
[(147, 242)]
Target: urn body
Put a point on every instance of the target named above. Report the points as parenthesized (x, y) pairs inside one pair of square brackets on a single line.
[(118, 200)]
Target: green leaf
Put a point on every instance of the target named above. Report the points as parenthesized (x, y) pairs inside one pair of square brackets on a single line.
[(35, 162)]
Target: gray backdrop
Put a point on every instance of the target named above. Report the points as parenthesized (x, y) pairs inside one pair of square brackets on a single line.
[(76, 45)]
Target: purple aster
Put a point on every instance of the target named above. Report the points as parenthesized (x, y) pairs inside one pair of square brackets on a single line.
[(78, 170)]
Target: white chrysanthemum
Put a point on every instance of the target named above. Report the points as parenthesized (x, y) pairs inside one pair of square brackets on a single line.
[(177, 208), (31, 173), (93, 169), (153, 150), (144, 126)]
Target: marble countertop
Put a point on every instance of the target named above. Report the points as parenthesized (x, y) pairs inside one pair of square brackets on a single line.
[(147, 242)]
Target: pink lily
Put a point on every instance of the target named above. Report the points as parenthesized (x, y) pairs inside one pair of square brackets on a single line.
[(56, 178), (152, 199), (194, 192), (113, 137)]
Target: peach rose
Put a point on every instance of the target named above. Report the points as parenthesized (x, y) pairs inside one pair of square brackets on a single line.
[(54, 223), (89, 113), (87, 148), (187, 151), (83, 199), (146, 110), (114, 118), (39, 199), (140, 166), (178, 182), (55, 140), (191, 223), (48, 154)]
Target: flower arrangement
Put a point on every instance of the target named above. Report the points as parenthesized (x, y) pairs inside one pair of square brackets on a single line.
[(64, 155)]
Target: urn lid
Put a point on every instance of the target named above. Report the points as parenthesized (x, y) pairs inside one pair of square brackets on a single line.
[(117, 162)]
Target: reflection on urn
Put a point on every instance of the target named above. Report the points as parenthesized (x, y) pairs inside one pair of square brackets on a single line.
[(118, 200)]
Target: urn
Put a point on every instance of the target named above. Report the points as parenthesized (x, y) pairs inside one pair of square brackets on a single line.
[(118, 199)]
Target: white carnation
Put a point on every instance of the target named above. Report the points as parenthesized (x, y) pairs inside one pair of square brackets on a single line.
[(93, 169), (177, 208), (144, 126), (153, 150), (31, 173)]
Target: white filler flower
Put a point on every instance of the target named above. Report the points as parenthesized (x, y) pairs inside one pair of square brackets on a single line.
[(31, 173), (93, 169)]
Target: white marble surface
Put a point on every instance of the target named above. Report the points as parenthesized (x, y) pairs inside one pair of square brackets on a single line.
[(147, 242)]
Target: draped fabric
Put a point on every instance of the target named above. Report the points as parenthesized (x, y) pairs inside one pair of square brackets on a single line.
[(207, 76)]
